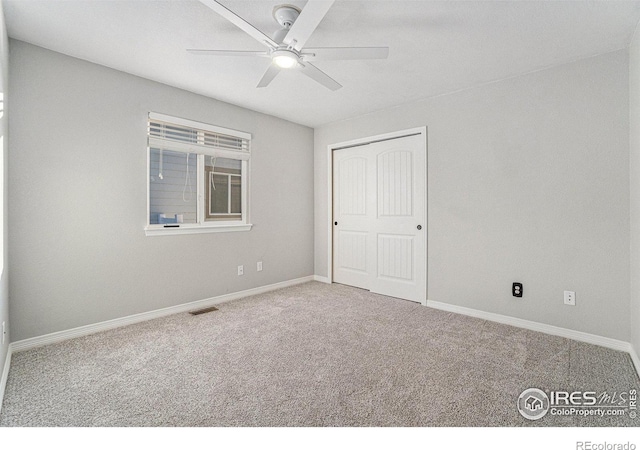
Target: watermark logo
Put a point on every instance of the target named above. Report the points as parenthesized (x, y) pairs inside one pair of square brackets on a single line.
[(533, 404), (588, 445)]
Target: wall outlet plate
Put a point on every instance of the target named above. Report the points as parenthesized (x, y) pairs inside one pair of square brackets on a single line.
[(516, 289), (240, 270), (259, 266), (570, 298)]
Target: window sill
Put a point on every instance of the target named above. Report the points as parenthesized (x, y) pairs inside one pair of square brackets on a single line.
[(155, 230)]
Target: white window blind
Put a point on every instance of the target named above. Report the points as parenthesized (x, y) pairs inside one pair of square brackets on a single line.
[(186, 136)]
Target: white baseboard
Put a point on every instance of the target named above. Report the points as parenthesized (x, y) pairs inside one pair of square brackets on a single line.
[(542, 328), (39, 341), (5, 374), (321, 279), (635, 359)]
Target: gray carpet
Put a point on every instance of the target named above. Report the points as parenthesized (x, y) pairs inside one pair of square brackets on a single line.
[(309, 355)]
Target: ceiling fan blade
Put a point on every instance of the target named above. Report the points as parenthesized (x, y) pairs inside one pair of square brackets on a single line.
[(318, 75), (195, 51), (269, 75), (306, 23), (344, 53), (240, 23)]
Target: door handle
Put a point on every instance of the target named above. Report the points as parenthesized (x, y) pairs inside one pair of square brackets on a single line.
[(419, 227), (335, 223)]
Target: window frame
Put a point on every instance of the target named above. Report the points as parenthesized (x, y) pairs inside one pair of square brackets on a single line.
[(208, 174), (202, 225)]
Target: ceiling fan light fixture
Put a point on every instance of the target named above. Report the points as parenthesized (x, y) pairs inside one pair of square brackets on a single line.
[(287, 48), (284, 59)]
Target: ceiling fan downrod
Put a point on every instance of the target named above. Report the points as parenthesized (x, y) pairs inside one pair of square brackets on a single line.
[(285, 15)]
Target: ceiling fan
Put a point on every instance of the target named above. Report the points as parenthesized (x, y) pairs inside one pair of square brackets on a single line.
[(286, 49)]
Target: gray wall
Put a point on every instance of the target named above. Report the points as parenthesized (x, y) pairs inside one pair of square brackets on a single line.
[(634, 170), (4, 283), (528, 180), (78, 186)]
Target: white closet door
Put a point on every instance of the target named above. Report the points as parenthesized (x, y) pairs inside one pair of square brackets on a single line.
[(352, 214), (380, 235)]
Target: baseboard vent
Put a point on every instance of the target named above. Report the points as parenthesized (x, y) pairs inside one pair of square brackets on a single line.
[(203, 310)]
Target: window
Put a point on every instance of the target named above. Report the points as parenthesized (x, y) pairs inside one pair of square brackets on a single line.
[(198, 177), (224, 193)]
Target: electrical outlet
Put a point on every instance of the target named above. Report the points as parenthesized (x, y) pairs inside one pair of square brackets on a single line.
[(240, 270), (570, 298), (516, 289), (4, 332), (259, 266)]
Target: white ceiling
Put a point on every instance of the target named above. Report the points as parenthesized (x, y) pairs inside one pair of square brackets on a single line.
[(435, 46)]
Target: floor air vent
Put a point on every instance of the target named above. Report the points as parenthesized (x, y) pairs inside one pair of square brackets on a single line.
[(202, 311)]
